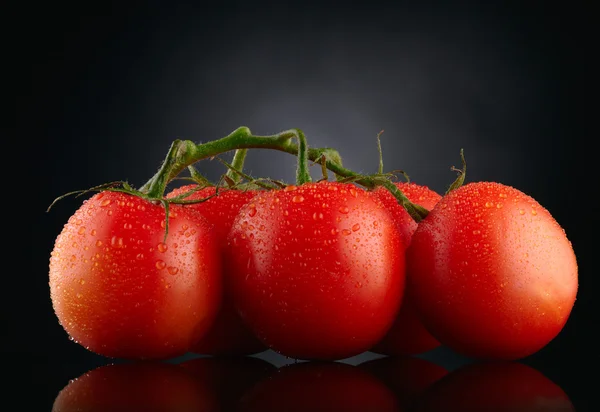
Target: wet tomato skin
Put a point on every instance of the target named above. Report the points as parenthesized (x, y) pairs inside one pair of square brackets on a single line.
[(318, 269), (492, 272), (228, 335), (120, 290), (408, 335)]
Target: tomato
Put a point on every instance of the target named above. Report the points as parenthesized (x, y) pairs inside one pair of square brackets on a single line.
[(495, 386), (407, 376), (228, 335), (120, 291), (493, 274), (229, 378), (318, 269), (144, 386), (408, 335), (319, 386)]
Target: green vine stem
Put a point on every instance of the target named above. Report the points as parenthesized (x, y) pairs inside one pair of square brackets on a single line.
[(183, 153), (237, 164)]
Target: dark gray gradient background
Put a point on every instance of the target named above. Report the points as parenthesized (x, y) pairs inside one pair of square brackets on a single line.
[(101, 93)]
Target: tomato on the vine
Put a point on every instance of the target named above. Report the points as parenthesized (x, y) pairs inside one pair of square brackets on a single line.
[(493, 274), (228, 335), (317, 269), (407, 336), (121, 290)]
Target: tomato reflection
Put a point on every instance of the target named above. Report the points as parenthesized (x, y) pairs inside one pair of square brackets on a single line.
[(495, 386), (228, 378), (133, 387), (408, 377), (319, 386)]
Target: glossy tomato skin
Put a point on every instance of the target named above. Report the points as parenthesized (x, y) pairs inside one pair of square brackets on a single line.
[(228, 335), (121, 291), (139, 386), (493, 274), (408, 335), (318, 269)]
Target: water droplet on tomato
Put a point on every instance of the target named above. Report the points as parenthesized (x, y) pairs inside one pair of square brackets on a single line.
[(298, 199), (162, 247), (105, 202), (172, 270), (356, 227), (344, 209), (160, 264), (81, 230), (346, 232)]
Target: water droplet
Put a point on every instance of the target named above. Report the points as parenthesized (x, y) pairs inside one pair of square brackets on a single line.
[(140, 256), (346, 232), (79, 296), (160, 264), (105, 202), (162, 248), (81, 230), (498, 205), (298, 199), (127, 226), (173, 270), (521, 212), (344, 209), (489, 204), (116, 242), (289, 188), (476, 232), (502, 195), (93, 232), (533, 212), (82, 281), (252, 211), (356, 227)]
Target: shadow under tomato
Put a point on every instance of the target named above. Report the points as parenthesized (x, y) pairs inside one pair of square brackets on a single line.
[(319, 386), (495, 386), (408, 377), (228, 379), (141, 386)]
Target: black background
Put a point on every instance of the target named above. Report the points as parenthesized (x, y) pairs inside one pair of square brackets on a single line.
[(101, 91)]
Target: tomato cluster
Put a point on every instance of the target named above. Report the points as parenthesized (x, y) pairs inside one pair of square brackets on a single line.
[(316, 270)]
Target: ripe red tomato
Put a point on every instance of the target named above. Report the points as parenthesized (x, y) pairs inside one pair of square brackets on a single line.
[(143, 386), (317, 269), (494, 386), (407, 376), (228, 335), (120, 291), (319, 387), (493, 274), (408, 335)]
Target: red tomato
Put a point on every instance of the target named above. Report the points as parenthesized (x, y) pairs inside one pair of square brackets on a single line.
[(319, 387), (408, 377), (318, 269), (228, 335), (492, 273), (146, 386), (501, 387), (408, 335), (119, 291), (229, 378)]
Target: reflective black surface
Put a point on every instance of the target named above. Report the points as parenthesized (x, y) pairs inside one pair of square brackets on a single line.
[(253, 384)]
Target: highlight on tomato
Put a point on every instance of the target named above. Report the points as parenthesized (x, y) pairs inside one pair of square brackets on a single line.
[(492, 273), (122, 290)]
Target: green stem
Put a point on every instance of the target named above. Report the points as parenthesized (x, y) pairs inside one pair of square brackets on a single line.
[(184, 153), (302, 172), (237, 164)]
